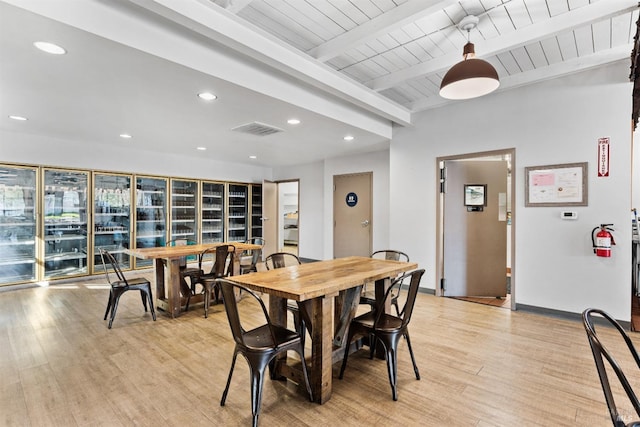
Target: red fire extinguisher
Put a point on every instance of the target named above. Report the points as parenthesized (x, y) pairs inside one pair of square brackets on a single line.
[(602, 240)]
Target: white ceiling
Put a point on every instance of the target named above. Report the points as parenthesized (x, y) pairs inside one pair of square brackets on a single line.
[(355, 67)]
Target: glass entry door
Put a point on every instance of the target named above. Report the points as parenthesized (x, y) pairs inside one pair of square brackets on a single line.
[(111, 218), (65, 223), (17, 224), (151, 215)]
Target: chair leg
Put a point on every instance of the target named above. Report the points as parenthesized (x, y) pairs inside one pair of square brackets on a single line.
[(207, 297), (391, 348), (143, 296), (257, 380), (392, 368), (150, 297), (305, 373), (114, 307), (413, 359), (106, 313), (346, 343), (226, 389)]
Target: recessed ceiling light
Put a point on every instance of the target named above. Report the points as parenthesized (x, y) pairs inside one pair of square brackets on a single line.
[(50, 48), (293, 121), (201, 148), (19, 118), (349, 138), (125, 136), (207, 96), (253, 157)]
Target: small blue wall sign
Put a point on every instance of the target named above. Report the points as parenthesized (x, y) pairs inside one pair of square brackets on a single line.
[(352, 199)]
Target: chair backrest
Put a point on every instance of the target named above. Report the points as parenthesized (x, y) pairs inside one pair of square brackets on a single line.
[(281, 259), (181, 242), (223, 257), (391, 254), (409, 302), (601, 353), (235, 319), (256, 254), (109, 259)]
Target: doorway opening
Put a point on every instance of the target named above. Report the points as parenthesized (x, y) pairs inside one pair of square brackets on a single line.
[(475, 218), (288, 215)]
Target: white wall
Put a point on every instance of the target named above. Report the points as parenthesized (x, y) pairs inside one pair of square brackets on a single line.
[(316, 200), (553, 122), (310, 210), (39, 150)]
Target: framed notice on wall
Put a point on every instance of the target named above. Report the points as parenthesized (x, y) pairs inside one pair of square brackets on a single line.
[(556, 185)]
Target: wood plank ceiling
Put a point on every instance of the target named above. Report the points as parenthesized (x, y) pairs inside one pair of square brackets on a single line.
[(402, 48)]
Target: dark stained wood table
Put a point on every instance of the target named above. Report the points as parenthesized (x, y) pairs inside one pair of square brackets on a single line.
[(171, 303), (315, 286)]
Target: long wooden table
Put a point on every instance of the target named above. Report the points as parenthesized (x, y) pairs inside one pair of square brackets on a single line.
[(171, 254), (315, 286)]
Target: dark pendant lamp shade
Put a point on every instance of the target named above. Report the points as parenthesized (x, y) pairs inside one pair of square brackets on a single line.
[(469, 78)]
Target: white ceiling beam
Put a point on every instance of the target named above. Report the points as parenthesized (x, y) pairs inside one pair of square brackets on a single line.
[(564, 22), (215, 23), (235, 6), (397, 17), (572, 66)]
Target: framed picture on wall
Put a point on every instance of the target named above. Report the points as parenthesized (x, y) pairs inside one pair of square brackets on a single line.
[(475, 194), (556, 185)]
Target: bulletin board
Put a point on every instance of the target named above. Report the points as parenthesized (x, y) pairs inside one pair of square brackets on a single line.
[(556, 185)]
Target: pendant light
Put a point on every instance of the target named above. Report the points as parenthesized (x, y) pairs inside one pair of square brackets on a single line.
[(471, 77)]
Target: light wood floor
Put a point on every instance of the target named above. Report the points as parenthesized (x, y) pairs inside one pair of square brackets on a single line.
[(480, 366)]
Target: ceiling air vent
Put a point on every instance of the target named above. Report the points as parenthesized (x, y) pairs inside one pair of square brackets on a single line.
[(257, 128)]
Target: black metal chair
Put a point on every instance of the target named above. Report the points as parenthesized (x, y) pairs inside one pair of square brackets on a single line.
[(222, 267), (281, 260), (186, 289), (367, 296), (600, 354), (387, 329), (122, 285), (259, 345), (249, 259)]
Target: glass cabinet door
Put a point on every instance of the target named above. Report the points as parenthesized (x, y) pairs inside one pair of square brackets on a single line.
[(212, 212), (151, 215), (184, 210), (256, 210), (65, 223), (17, 224), (111, 218), (238, 211)]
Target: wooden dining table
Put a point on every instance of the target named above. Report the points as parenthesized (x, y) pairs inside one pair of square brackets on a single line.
[(171, 301), (327, 293)]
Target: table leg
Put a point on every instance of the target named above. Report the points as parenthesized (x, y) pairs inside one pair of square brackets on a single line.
[(159, 270), (321, 348), (173, 286)]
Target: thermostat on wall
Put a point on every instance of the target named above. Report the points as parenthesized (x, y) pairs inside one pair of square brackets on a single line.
[(569, 215)]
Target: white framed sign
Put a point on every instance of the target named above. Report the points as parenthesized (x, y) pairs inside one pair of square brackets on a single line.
[(556, 185)]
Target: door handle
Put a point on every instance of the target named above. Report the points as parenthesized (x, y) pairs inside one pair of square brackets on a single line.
[(365, 223), (262, 218)]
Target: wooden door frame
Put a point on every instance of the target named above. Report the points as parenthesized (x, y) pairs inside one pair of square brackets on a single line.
[(440, 216)]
